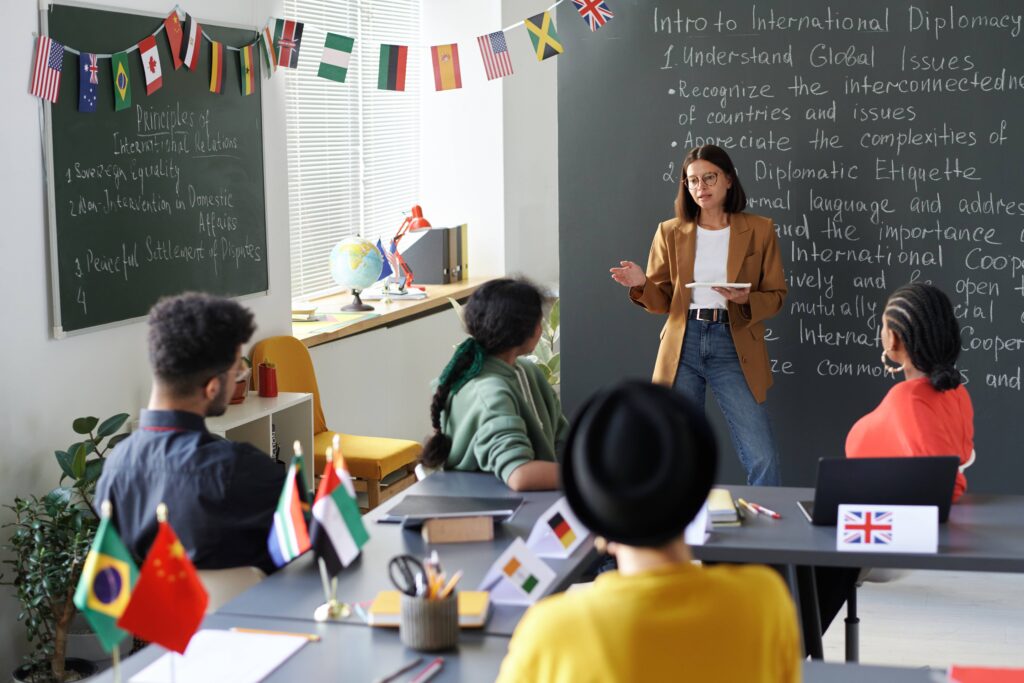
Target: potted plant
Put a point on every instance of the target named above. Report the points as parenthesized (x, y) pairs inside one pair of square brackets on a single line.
[(48, 546)]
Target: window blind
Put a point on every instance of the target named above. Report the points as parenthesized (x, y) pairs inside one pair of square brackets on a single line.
[(353, 150)]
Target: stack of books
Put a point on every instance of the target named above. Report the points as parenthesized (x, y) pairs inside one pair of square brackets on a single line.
[(722, 508)]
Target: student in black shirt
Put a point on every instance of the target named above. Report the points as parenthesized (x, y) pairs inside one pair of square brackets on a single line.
[(220, 494)]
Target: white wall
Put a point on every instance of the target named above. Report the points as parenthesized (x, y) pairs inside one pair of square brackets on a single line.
[(47, 382)]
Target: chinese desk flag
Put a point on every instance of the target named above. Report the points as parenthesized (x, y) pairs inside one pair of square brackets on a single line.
[(169, 601)]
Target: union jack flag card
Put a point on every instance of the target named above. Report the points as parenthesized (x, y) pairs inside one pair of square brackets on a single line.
[(889, 528), (594, 12)]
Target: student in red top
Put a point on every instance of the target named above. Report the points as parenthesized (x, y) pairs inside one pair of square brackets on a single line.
[(929, 413)]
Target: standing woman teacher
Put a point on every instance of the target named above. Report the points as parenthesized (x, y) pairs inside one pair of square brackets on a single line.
[(715, 335)]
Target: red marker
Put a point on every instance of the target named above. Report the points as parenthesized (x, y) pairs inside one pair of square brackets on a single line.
[(429, 671), (763, 510)]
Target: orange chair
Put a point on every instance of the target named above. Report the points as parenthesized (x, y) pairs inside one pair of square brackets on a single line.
[(370, 459)]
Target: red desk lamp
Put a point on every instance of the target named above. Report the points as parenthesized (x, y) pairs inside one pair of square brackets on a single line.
[(414, 222)]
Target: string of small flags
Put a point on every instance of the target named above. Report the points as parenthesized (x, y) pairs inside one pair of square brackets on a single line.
[(280, 47)]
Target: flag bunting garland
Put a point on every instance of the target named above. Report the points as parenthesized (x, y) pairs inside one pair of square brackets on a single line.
[(279, 41)]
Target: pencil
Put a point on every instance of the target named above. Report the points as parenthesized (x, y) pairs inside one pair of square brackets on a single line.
[(311, 637), (429, 671), (398, 672), (450, 586)]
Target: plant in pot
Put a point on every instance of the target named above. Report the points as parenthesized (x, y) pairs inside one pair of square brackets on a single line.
[(48, 546)]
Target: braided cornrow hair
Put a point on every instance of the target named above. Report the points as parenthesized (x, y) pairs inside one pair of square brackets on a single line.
[(501, 315), (922, 316)]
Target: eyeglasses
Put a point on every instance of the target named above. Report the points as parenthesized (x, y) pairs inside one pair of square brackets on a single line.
[(709, 180)]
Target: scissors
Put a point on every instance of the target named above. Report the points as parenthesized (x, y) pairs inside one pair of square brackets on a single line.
[(407, 574)]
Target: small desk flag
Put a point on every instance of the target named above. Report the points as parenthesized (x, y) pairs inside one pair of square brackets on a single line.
[(289, 535), (103, 592), (338, 532)]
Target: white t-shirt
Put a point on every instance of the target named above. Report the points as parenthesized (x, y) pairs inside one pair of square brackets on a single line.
[(709, 265)]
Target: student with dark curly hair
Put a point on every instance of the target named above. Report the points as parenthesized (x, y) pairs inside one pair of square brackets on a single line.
[(493, 411), (220, 494)]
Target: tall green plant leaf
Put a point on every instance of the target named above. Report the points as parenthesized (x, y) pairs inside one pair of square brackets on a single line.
[(84, 425), (111, 425)]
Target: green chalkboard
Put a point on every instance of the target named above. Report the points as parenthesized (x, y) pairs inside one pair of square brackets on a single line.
[(162, 197)]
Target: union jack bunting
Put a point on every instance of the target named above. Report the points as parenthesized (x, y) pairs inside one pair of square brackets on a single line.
[(868, 527), (594, 12)]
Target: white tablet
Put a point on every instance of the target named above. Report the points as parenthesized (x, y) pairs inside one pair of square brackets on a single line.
[(731, 285)]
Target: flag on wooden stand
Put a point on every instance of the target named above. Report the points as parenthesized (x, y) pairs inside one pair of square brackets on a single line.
[(88, 82), (447, 74), (391, 73), (151, 64), (494, 50), (108, 577), (216, 66), (172, 27), (247, 69), (169, 600), (122, 86), (46, 75), (337, 53)]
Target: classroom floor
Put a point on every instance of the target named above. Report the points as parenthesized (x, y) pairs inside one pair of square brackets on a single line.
[(936, 619)]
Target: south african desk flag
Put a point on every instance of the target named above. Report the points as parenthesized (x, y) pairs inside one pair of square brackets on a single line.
[(108, 577), (289, 536)]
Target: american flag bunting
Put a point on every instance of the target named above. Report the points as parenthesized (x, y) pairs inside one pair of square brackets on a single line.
[(46, 75), (494, 51)]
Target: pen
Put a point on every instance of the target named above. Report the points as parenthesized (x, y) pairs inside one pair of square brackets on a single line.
[(398, 672), (311, 637), (747, 506), (429, 671), (771, 513)]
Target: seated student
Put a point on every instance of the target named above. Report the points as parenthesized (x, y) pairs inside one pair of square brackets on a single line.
[(929, 413), (637, 467), (220, 494), (493, 411)]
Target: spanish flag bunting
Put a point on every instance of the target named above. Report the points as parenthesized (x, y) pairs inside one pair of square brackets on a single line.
[(543, 35), (216, 66), (108, 577), (247, 69), (447, 74)]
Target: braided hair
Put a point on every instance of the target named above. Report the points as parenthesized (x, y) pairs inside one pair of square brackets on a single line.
[(921, 315), (501, 315)]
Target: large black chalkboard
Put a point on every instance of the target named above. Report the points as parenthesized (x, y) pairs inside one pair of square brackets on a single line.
[(163, 197), (883, 138)]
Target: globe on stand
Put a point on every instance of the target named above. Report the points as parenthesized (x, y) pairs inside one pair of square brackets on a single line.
[(356, 263)]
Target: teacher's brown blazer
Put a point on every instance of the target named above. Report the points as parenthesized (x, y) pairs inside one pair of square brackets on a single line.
[(753, 257)]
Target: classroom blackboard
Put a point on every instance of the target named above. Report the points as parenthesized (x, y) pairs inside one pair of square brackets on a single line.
[(885, 141), (163, 197)]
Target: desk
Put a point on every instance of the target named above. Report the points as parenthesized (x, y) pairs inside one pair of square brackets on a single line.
[(347, 653), (985, 533), (295, 591)]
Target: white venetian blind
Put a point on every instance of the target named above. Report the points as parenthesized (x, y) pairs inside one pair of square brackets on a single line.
[(353, 150)]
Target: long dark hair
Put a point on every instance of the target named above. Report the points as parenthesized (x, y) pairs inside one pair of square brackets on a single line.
[(735, 199), (501, 315), (922, 317)]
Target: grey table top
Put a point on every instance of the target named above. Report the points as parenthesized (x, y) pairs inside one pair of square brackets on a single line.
[(350, 653), (295, 591), (984, 533)]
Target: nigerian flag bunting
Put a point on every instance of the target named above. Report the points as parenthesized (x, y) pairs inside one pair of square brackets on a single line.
[(338, 531), (103, 592), (337, 52)]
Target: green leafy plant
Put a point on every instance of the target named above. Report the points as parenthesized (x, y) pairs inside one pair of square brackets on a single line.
[(49, 543)]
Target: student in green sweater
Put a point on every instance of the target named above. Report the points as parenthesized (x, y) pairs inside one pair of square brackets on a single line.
[(493, 411)]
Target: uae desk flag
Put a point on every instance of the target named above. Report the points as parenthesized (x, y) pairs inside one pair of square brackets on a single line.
[(169, 600), (192, 37), (108, 577), (337, 53), (543, 35), (151, 64), (447, 74), (88, 82), (289, 535), (338, 532), (172, 27), (391, 73), (122, 86), (216, 66), (288, 40), (247, 69)]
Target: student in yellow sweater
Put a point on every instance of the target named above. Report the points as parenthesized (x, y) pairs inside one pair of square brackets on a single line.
[(638, 464), (493, 410)]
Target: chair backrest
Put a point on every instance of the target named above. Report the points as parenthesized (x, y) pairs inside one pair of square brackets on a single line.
[(294, 371), (224, 584)]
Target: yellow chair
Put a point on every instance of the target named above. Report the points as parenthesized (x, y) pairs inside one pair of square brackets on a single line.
[(370, 459)]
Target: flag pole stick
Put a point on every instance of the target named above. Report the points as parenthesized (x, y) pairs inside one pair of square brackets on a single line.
[(116, 663), (324, 579)]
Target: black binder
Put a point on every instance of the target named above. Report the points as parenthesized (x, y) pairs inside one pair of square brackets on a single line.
[(430, 258)]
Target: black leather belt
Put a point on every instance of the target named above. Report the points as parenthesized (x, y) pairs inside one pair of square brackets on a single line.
[(709, 315)]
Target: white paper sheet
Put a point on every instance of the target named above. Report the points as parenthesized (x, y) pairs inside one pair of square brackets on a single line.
[(518, 577), (215, 656)]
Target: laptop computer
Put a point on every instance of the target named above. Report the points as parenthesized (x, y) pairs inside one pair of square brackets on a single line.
[(882, 481)]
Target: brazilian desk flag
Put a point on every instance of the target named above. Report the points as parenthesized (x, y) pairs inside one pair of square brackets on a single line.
[(108, 578)]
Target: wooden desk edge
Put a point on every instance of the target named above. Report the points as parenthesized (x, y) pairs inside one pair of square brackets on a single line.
[(437, 297)]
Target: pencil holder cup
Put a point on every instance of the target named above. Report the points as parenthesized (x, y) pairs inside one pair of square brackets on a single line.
[(268, 381), (429, 625)]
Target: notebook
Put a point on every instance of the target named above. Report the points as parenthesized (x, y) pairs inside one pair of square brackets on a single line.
[(473, 608), (721, 508), (413, 510)]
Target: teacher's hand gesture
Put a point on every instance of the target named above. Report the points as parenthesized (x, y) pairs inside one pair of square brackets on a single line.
[(629, 275)]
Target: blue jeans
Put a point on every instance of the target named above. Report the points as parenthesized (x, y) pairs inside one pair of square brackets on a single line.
[(709, 357)]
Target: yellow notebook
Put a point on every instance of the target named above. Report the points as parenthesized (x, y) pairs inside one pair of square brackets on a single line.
[(473, 608), (721, 508)]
